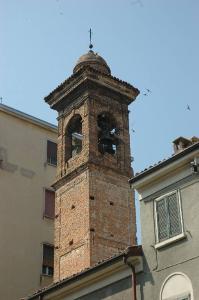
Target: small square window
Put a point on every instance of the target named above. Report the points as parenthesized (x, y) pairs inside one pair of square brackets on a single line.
[(49, 208), (168, 217), (48, 260), (51, 153)]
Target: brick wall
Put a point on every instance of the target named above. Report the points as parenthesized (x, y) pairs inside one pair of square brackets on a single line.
[(95, 213), (72, 248)]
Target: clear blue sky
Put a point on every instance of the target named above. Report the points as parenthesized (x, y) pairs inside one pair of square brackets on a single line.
[(152, 44)]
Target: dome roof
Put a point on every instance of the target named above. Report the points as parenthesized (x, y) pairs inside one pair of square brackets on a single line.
[(94, 60)]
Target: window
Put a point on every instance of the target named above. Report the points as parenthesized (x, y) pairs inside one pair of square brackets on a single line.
[(48, 260), (49, 208), (168, 217), (74, 137), (177, 286), (52, 153)]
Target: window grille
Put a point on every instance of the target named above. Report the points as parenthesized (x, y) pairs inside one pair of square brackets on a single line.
[(168, 216)]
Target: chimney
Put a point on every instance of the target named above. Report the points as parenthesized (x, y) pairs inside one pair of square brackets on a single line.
[(182, 143)]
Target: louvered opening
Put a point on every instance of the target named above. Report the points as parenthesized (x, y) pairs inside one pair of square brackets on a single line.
[(175, 227), (168, 217)]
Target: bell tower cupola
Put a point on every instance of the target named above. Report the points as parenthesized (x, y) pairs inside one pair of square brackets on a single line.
[(95, 212)]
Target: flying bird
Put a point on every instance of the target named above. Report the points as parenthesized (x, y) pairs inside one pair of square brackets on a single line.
[(188, 107), (149, 91)]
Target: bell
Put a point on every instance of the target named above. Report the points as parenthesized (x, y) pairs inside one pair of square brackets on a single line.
[(109, 149), (106, 144)]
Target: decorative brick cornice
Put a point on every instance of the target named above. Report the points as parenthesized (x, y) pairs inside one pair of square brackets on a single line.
[(89, 165), (85, 76)]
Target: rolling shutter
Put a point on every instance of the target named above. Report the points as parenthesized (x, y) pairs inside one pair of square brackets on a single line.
[(49, 210)]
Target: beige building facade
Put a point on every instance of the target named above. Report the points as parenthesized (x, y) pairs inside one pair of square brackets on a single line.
[(27, 170)]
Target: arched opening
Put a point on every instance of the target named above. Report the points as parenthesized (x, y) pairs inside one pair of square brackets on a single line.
[(177, 286), (107, 134), (73, 140)]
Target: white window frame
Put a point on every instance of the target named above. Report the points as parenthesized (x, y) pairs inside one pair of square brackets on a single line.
[(180, 296), (180, 236)]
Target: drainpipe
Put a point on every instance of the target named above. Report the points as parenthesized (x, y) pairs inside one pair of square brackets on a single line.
[(133, 257), (133, 276), (133, 283)]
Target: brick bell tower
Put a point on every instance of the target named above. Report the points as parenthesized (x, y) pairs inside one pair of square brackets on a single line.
[(95, 213)]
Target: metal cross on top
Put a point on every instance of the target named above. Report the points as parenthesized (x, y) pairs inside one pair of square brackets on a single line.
[(90, 33)]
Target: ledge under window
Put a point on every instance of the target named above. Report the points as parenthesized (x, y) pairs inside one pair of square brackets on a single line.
[(48, 217), (170, 241), (51, 164)]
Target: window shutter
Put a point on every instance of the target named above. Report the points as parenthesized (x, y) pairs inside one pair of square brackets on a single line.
[(162, 219), (174, 215), (49, 204)]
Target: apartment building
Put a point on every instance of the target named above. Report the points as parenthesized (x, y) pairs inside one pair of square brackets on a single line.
[(169, 193), (28, 161)]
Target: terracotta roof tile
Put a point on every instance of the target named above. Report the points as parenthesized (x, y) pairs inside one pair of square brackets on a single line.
[(80, 71), (164, 161)]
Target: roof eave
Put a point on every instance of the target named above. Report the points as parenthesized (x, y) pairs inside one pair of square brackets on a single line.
[(28, 118), (121, 258), (166, 165), (82, 72)]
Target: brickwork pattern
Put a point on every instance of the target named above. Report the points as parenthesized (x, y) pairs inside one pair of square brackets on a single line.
[(72, 227), (112, 214), (95, 213)]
